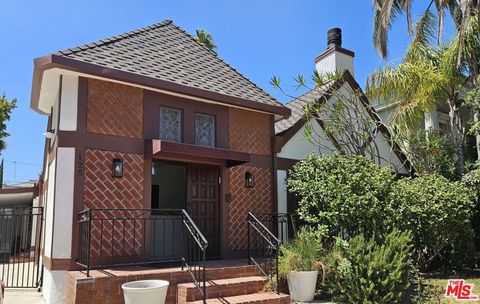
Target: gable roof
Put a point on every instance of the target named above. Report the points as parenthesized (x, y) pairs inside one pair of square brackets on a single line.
[(287, 127), (296, 106), (165, 52)]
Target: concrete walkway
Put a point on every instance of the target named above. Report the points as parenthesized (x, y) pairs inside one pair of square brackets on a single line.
[(23, 296)]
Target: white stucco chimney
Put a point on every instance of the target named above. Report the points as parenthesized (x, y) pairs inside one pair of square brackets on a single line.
[(334, 58)]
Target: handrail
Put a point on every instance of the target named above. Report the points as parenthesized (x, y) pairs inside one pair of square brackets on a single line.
[(273, 242), (195, 261), (202, 241), (117, 237)]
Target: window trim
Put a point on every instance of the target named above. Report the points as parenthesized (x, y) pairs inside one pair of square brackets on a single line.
[(182, 121), (214, 128)]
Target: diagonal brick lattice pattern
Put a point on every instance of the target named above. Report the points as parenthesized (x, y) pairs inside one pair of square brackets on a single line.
[(244, 200), (114, 109), (101, 190), (250, 132)]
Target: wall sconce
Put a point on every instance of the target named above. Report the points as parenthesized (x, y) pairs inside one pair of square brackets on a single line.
[(117, 167), (249, 180)]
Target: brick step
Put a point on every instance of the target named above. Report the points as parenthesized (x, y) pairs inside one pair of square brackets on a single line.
[(188, 292), (255, 298), (217, 273)]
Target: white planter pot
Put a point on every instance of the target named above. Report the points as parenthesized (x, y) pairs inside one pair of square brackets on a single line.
[(301, 285), (145, 292)]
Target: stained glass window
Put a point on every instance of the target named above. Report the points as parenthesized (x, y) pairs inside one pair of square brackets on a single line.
[(204, 130), (170, 124)]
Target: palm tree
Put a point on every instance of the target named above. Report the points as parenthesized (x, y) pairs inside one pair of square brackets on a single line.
[(465, 14), (387, 11), (427, 76), (206, 39)]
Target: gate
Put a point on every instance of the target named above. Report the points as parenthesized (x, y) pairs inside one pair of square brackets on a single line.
[(20, 240)]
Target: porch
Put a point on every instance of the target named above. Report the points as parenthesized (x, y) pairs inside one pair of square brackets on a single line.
[(121, 245)]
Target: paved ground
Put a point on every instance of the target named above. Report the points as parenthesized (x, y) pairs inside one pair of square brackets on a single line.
[(19, 274), (23, 296)]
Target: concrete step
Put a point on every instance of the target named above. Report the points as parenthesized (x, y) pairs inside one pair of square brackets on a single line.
[(254, 298), (188, 292)]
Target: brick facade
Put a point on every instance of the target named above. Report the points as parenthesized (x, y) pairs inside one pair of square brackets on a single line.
[(114, 109), (249, 132), (101, 190), (244, 200)]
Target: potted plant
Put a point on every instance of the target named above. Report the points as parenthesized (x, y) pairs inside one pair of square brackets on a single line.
[(299, 263)]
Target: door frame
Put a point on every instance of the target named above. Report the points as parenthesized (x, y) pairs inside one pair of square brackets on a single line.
[(222, 190)]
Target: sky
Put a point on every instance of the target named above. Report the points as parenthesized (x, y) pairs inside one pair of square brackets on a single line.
[(260, 38)]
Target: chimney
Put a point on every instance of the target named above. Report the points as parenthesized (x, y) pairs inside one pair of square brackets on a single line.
[(335, 57)]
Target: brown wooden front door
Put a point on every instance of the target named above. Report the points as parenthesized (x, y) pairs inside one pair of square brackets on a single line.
[(203, 204)]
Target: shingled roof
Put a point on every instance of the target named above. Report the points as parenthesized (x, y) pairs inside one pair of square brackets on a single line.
[(164, 51), (296, 106)]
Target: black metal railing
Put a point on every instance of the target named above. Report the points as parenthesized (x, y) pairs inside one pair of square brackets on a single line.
[(120, 237), (283, 225), (20, 240), (195, 258), (263, 249)]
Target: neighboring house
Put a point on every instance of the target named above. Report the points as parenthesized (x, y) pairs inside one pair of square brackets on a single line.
[(182, 128), (290, 142)]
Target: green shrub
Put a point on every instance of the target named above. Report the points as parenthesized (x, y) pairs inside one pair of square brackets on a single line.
[(432, 152), (437, 212), (472, 181), (342, 195), (365, 271), (303, 254)]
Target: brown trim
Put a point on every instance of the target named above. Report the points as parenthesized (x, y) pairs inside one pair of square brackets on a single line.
[(32, 189), (285, 163), (281, 140), (78, 180), (51, 61), (273, 163), (332, 49), (100, 142), (53, 264), (154, 100), (156, 148)]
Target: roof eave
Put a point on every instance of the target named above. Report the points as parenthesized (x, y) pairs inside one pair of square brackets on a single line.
[(55, 61)]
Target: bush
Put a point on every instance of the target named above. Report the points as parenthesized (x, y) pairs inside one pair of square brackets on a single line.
[(432, 152), (364, 271), (472, 181), (342, 195), (437, 212), (303, 254)]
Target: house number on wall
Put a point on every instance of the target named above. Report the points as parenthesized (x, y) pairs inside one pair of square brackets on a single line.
[(80, 165)]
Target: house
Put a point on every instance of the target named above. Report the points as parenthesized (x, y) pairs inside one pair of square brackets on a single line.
[(290, 143), (157, 150), (149, 119)]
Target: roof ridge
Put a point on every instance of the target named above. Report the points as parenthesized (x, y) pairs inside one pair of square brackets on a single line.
[(227, 64), (115, 38)]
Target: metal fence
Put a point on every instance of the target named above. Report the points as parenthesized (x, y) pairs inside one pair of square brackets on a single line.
[(20, 240), (116, 237)]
